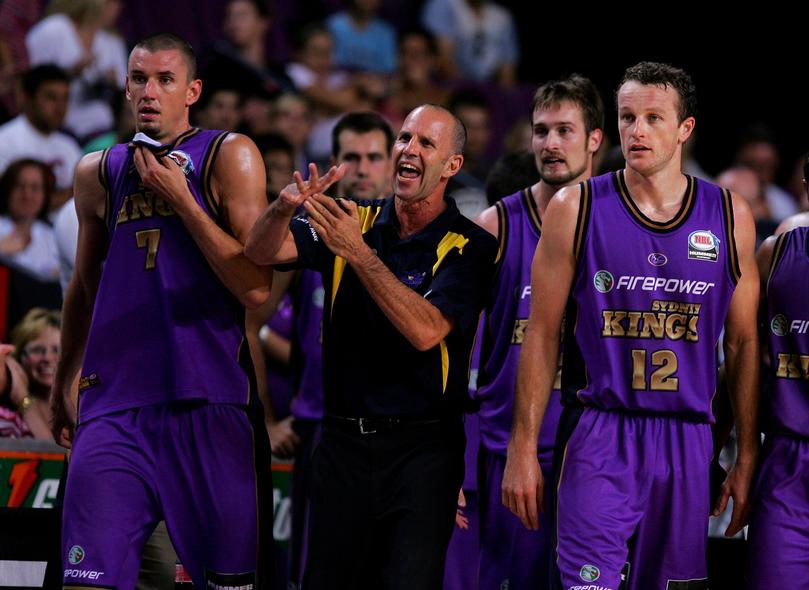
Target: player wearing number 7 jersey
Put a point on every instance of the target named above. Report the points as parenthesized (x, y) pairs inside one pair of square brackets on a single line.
[(648, 265), (168, 423)]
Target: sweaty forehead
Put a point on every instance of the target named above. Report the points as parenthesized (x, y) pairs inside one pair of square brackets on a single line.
[(635, 95), (164, 60), (428, 122)]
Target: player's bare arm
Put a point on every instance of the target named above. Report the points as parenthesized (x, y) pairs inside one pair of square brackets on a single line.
[(742, 369), (551, 278), (271, 241), (488, 220), (238, 184), (81, 292), (418, 320)]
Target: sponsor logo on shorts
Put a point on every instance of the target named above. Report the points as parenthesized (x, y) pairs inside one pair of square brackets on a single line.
[(215, 586), (703, 245), (75, 555), (83, 574), (603, 281), (589, 573), (590, 587), (657, 259), (183, 160), (779, 325)]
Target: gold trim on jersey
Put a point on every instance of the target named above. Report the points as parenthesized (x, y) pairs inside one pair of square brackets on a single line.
[(206, 174), (583, 218), (531, 204), (685, 208), (103, 178), (778, 250), (502, 231), (730, 227)]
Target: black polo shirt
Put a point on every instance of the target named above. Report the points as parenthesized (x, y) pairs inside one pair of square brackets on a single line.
[(369, 367)]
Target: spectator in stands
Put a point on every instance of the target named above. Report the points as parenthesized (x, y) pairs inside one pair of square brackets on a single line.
[(473, 110), (16, 407), (477, 39), (292, 118), (27, 376), (241, 57), (415, 82), (35, 133), (279, 159), (220, 108), (759, 153), (73, 36), (25, 238), (745, 182), (362, 40)]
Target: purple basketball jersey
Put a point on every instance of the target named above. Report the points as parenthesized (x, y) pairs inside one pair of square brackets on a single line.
[(504, 324), (164, 327), (788, 323), (307, 346), (648, 301)]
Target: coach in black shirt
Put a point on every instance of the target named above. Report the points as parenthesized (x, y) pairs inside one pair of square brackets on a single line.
[(405, 280)]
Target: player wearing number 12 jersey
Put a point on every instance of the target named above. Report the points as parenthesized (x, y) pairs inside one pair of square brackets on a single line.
[(168, 426), (649, 264)]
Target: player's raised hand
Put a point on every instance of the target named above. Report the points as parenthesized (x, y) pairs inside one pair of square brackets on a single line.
[(297, 193), (162, 175), (523, 486), (736, 486)]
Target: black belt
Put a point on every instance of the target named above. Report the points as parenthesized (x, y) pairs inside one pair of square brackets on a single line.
[(375, 424)]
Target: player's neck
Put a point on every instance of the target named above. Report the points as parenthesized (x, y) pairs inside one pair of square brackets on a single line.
[(170, 137), (543, 191), (660, 189)]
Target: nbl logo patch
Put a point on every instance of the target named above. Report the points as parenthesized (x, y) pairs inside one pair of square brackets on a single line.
[(703, 245), (183, 160)]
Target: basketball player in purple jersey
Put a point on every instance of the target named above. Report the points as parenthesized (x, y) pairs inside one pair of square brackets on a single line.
[(648, 265), (168, 425), (779, 542), (568, 117)]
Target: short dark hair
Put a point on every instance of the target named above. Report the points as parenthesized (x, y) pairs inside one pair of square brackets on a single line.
[(168, 41), (511, 173), (38, 75), (578, 90), (9, 178), (665, 75), (361, 122)]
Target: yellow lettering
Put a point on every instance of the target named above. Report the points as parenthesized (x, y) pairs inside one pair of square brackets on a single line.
[(674, 326), (634, 320), (653, 325)]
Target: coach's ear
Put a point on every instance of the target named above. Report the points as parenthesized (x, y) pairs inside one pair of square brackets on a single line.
[(452, 166)]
